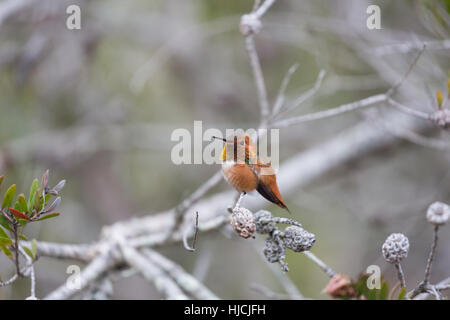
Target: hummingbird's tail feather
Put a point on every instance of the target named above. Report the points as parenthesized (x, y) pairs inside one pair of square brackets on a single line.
[(270, 195)]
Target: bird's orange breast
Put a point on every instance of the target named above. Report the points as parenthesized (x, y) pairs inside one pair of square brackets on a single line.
[(240, 176)]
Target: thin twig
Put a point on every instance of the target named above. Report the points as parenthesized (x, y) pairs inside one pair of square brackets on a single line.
[(307, 95), (426, 279), (400, 274), (425, 286), (363, 103), (9, 281), (16, 248), (394, 88), (281, 92), (187, 203), (241, 197), (263, 8), (258, 78), (407, 110), (186, 236), (322, 265)]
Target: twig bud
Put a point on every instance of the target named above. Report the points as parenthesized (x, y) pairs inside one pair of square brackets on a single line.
[(250, 24), (56, 189), (54, 205)]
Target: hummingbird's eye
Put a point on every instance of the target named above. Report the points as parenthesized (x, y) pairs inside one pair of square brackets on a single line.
[(242, 143)]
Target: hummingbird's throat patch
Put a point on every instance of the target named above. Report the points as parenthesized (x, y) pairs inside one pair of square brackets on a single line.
[(224, 153)]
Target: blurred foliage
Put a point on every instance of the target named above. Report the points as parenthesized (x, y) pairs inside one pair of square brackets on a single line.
[(14, 218)]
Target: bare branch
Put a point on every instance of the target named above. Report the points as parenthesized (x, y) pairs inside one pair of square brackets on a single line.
[(407, 110), (347, 107), (90, 273), (152, 273), (82, 252), (363, 103), (9, 281), (258, 78), (186, 281)]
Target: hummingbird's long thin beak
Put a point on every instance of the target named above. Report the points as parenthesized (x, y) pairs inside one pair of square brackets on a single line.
[(224, 140)]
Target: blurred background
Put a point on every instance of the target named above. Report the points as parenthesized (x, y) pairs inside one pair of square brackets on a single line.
[(97, 107)]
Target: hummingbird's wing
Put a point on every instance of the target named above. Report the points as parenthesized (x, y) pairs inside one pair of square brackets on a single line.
[(267, 185)]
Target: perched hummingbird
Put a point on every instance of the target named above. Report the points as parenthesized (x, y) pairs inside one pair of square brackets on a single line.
[(242, 168)]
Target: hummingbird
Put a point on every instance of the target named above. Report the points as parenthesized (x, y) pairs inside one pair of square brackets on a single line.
[(243, 170)]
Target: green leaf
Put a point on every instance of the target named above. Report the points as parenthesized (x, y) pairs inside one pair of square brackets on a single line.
[(33, 188), (384, 291), (34, 248), (1, 180), (48, 216), (22, 222), (4, 223), (3, 234), (5, 241), (401, 294), (6, 251), (17, 206), (9, 196), (361, 285), (22, 202), (37, 202), (371, 294), (28, 252), (21, 236)]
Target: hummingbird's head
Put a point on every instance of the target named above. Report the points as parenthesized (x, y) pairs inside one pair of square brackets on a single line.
[(238, 148)]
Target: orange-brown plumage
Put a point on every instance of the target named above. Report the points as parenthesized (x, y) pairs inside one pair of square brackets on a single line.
[(245, 172)]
